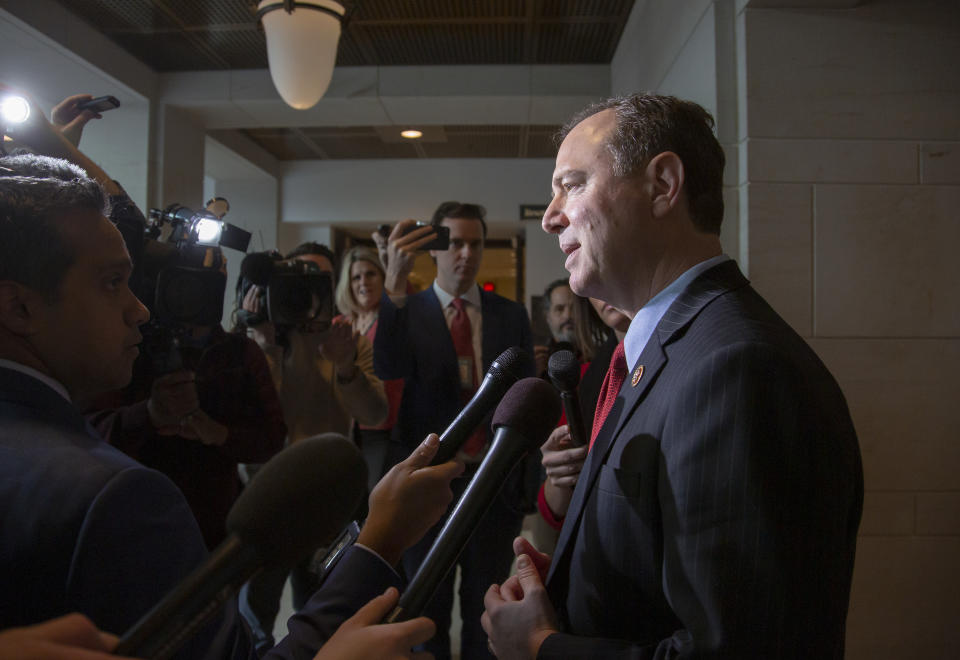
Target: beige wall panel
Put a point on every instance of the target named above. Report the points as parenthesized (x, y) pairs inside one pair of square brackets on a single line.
[(832, 161), (897, 393), (888, 514), (940, 162), (938, 513), (779, 249), (883, 257), (856, 73), (904, 604)]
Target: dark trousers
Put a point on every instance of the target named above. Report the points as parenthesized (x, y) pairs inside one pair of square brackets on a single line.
[(485, 560)]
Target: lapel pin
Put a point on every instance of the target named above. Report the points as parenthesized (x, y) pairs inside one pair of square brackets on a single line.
[(637, 375)]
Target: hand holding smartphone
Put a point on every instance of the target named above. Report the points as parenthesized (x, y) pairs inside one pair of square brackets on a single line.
[(441, 242)]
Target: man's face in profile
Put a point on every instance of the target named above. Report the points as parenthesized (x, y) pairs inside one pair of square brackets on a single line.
[(87, 335)]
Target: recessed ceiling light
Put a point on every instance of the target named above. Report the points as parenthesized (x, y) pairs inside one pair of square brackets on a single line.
[(411, 134)]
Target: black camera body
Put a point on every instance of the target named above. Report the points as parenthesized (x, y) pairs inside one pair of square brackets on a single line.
[(293, 292)]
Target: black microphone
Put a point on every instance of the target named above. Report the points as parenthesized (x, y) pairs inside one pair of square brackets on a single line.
[(509, 367), (297, 501), (523, 421), (564, 370)]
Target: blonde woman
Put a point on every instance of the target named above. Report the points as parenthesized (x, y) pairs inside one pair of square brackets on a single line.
[(358, 298)]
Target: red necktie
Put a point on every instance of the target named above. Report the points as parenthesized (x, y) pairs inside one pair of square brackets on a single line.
[(616, 374), (462, 336)]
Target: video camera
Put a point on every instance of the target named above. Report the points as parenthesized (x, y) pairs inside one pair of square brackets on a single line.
[(292, 292), (179, 274)]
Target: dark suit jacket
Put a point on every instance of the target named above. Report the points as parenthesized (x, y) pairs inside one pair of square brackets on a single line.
[(716, 514), (85, 528), (414, 343)]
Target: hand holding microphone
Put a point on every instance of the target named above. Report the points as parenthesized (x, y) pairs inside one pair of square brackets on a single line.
[(522, 420), (408, 501)]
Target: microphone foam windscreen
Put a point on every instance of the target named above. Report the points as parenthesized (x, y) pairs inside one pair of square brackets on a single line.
[(300, 499), (531, 407), (564, 370), (514, 361)]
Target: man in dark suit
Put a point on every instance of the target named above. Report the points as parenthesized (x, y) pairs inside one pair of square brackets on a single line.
[(717, 510), (84, 527), (441, 341)]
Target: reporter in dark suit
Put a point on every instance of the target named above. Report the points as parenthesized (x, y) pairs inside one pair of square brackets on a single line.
[(416, 341), (717, 510)]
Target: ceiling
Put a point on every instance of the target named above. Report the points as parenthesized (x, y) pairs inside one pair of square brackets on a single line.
[(194, 35)]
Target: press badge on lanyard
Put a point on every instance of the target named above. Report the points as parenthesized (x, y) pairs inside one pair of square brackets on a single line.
[(466, 372)]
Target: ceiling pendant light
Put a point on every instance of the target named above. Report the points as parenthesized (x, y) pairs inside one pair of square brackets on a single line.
[(301, 47)]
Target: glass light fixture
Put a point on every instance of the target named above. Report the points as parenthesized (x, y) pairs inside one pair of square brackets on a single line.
[(301, 47), (411, 134)]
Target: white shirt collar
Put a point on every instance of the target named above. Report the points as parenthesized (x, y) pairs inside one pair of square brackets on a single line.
[(52, 383), (472, 295)]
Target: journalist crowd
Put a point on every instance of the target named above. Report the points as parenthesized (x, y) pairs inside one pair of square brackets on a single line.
[(683, 466)]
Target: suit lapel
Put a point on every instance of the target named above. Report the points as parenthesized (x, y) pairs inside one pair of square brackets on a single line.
[(719, 279)]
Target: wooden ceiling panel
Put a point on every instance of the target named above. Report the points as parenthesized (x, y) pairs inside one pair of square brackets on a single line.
[(377, 32), (196, 35)]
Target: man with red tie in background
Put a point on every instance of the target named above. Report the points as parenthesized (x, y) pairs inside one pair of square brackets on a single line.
[(717, 510), (441, 341)]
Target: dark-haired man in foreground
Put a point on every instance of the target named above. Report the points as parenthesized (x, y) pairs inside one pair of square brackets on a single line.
[(82, 526), (717, 511)]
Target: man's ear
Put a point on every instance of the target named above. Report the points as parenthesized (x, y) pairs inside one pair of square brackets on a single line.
[(19, 307), (666, 172)]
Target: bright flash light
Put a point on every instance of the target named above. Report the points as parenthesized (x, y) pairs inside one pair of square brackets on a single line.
[(411, 134), (14, 109), (208, 231)]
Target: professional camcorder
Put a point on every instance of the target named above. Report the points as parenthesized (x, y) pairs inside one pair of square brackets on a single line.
[(180, 274), (293, 292)]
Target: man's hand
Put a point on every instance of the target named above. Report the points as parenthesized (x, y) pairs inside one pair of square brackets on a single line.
[(363, 636), (339, 345), (70, 119), (562, 463), (519, 614), (173, 396), (541, 355), (70, 637), (408, 501), (402, 253)]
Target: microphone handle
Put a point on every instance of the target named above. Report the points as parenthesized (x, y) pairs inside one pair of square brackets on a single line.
[(193, 603), (571, 408), (486, 483)]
